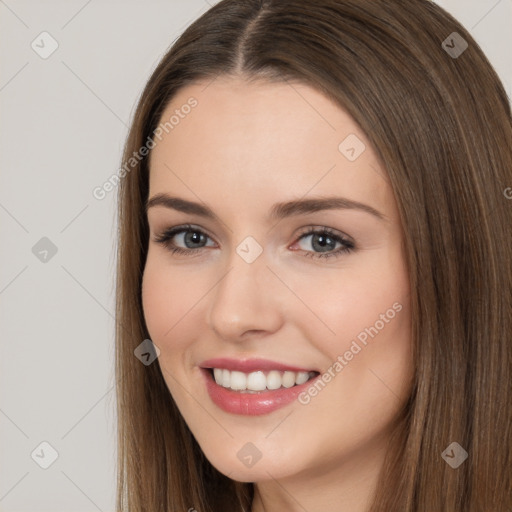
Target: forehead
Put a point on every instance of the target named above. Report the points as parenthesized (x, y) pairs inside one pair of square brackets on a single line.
[(263, 141)]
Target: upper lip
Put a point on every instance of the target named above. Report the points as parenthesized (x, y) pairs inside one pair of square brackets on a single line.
[(250, 365)]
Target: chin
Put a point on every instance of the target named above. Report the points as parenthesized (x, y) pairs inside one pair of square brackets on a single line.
[(242, 468)]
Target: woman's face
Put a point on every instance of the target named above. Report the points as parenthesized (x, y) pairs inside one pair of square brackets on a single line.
[(254, 174)]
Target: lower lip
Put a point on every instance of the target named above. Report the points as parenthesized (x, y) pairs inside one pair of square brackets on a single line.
[(251, 404)]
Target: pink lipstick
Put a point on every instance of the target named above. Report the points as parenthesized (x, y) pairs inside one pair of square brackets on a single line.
[(254, 386)]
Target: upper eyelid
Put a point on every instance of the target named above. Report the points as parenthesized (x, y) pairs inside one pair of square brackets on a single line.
[(185, 227)]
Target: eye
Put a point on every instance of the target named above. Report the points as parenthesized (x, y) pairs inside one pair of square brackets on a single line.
[(191, 237), (324, 240)]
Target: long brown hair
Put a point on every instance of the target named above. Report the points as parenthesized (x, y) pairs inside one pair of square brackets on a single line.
[(440, 123)]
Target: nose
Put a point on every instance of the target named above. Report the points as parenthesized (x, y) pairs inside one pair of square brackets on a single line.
[(246, 301)]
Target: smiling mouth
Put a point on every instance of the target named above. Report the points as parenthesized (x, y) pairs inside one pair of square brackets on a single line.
[(259, 381)]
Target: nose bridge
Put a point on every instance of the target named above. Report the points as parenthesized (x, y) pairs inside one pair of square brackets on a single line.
[(247, 264), (245, 298)]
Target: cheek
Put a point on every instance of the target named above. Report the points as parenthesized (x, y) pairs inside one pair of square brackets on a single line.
[(167, 297), (168, 300), (374, 340), (369, 365), (366, 302)]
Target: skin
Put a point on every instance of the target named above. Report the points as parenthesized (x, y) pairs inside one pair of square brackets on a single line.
[(244, 147)]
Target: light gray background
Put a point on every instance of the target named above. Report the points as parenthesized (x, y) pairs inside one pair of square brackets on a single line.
[(63, 123)]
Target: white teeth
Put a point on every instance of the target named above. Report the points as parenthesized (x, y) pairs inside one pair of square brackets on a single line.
[(238, 380), (289, 379), (217, 373), (302, 377), (274, 379), (226, 378), (258, 381)]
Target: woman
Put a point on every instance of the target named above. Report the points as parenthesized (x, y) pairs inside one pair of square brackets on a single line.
[(314, 266)]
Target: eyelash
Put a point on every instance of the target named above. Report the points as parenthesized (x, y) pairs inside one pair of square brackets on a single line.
[(168, 234)]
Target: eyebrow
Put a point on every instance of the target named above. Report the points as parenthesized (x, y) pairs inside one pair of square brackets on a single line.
[(277, 212)]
